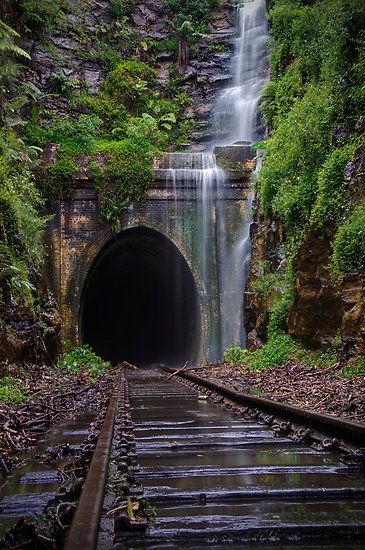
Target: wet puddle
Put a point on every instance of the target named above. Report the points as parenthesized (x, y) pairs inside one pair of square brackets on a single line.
[(27, 490)]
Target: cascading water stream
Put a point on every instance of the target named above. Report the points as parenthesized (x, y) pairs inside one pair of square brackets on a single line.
[(218, 232), (237, 106)]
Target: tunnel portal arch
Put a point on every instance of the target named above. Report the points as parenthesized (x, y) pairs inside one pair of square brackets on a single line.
[(140, 302)]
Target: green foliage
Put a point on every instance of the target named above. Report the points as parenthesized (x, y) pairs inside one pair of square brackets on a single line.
[(314, 90), (121, 8), (279, 314), (322, 359), (128, 175), (294, 155), (129, 83), (311, 106), (355, 368), (42, 16), (84, 361), (11, 391), (277, 351), (198, 11), (21, 225), (163, 45), (349, 244), (235, 355), (332, 187), (62, 85), (267, 283), (7, 44), (217, 48)]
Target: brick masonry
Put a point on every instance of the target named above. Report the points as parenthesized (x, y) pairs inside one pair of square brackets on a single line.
[(76, 236)]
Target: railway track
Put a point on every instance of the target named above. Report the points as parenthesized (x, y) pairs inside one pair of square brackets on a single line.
[(216, 473)]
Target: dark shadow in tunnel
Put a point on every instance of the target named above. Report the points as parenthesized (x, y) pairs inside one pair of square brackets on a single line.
[(140, 302)]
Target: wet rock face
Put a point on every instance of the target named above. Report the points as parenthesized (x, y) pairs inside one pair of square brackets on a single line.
[(69, 54), (266, 247), (317, 311), (322, 310), (353, 320), (236, 160)]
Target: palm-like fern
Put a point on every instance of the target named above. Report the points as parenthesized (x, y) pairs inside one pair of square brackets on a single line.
[(7, 44)]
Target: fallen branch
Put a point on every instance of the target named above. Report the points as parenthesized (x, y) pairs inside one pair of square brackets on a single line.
[(178, 371)]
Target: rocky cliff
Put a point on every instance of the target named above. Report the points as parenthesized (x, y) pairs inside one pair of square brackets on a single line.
[(324, 312), (76, 56)]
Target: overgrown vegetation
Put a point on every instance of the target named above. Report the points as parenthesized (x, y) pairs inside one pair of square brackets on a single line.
[(12, 391), (40, 16), (83, 362), (280, 350), (198, 12), (20, 202), (312, 106), (128, 123)]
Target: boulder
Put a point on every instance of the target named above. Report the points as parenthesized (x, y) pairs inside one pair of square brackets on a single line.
[(237, 160)]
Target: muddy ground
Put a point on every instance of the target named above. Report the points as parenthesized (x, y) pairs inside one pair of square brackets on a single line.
[(308, 387)]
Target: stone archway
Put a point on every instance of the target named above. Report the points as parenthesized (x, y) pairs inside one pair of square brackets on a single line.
[(140, 302)]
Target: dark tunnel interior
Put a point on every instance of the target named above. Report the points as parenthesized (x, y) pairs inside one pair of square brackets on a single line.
[(140, 302)]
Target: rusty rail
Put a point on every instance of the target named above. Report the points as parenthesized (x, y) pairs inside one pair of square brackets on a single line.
[(84, 530), (352, 432)]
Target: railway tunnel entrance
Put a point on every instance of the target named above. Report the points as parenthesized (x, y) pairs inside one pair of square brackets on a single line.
[(140, 302)]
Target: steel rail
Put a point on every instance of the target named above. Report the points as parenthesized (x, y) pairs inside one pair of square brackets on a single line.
[(347, 430), (85, 525)]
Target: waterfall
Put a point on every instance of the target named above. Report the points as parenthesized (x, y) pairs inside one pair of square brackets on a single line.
[(237, 106), (197, 186), (236, 114), (217, 229)]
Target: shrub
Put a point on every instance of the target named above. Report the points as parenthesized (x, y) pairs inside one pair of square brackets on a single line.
[(235, 355), (11, 391), (129, 83), (42, 16), (277, 351), (349, 244), (198, 11), (128, 175), (83, 360)]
